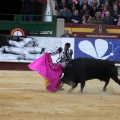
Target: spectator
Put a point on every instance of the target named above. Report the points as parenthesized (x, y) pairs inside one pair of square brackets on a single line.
[(95, 2), (80, 2), (93, 11), (82, 12), (97, 19), (107, 5), (119, 3), (28, 10), (66, 34), (111, 2), (75, 17), (64, 13), (73, 2), (116, 2), (118, 19), (73, 7), (86, 19), (85, 2), (101, 7), (102, 2), (107, 19), (100, 29), (60, 5), (89, 2), (114, 13), (103, 11)]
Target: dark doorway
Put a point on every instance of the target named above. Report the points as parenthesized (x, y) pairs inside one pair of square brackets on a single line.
[(10, 6)]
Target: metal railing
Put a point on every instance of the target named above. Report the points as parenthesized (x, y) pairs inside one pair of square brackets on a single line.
[(38, 23)]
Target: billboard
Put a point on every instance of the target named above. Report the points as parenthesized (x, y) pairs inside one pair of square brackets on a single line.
[(108, 49), (30, 48)]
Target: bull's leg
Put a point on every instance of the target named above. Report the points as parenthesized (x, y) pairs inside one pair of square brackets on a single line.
[(106, 83), (73, 85), (82, 86)]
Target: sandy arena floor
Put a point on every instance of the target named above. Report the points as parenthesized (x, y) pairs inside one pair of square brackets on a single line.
[(23, 97)]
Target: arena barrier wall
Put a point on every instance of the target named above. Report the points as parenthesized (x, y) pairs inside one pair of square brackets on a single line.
[(18, 54), (81, 28)]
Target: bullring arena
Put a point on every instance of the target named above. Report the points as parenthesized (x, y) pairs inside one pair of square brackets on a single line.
[(23, 96)]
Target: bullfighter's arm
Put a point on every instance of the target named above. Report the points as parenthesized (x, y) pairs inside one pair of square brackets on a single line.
[(59, 50)]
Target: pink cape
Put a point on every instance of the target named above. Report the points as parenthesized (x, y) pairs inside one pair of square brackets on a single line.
[(50, 71)]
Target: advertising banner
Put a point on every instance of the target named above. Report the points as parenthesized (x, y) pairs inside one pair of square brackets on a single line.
[(30, 48), (108, 49)]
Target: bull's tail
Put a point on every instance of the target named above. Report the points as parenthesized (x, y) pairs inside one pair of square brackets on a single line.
[(113, 72), (117, 80)]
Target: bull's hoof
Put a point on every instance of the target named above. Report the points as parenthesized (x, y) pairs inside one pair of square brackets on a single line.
[(61, 88), (81, 91), (104, 89), (69, 91)]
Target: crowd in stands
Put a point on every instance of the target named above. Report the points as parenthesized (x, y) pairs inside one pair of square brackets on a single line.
[(89, 11)]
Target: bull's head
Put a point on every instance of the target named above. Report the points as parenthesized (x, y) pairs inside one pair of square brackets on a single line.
[(68, 74), (65, 79)]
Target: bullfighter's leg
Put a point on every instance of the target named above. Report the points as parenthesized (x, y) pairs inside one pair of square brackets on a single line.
[(82, 86), (73, 85), (106, 83)]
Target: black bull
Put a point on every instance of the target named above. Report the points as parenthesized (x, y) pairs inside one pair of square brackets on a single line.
[(82, 69)]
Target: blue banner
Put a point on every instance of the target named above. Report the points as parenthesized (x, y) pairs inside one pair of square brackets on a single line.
[(108, 49)]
